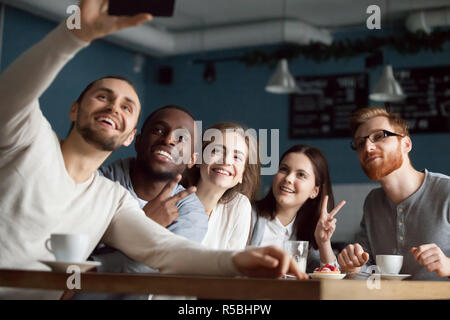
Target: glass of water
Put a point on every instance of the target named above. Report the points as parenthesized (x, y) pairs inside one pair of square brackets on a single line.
[(298, 251)]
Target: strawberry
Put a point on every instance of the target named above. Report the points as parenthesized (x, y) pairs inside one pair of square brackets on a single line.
[(332, 268), (327, 268)]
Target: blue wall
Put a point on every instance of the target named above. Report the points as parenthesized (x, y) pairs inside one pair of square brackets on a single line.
[(237, 94)]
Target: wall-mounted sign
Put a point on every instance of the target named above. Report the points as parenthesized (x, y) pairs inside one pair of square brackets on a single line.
[(324, 109), (427, 106)]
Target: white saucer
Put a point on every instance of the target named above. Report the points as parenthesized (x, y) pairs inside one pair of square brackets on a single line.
[(333, 276), (398, 277), (61, 266)]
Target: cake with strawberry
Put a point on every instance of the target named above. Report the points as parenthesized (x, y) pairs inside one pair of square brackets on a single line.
[(327, 269)]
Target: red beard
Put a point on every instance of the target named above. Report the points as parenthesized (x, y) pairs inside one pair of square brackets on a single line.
[(375, 170)]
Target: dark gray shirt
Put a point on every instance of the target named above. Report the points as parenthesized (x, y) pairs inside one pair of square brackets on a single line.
[(423, 218), (192, 222)]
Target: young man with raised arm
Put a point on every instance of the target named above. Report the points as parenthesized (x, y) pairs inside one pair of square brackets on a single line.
[(51, 186)]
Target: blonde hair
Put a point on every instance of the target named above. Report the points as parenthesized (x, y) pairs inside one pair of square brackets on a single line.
[(363, 115), (251, 177)]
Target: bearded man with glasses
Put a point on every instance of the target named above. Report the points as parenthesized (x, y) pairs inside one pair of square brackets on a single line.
[(410, 214)]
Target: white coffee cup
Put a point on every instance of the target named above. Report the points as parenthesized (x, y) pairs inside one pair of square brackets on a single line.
[(389, 264), (68, 247)]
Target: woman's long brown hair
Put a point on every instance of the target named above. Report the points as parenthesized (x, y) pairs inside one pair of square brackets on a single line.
[(308, 215)]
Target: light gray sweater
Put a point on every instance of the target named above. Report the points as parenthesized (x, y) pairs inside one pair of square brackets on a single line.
[(423, 218)]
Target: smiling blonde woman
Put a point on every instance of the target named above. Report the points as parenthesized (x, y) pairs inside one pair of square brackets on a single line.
[(226, 181)]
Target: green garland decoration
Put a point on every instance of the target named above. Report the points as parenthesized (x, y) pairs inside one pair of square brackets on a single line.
[(408, 43)]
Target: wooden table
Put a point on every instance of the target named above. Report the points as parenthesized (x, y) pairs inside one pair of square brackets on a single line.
[(229, 288)]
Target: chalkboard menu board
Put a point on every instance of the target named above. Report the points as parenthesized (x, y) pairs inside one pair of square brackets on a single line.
[(427, 105), (324, 109)]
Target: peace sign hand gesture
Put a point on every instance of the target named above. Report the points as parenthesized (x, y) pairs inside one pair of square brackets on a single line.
[(327, 223), (163, 208)]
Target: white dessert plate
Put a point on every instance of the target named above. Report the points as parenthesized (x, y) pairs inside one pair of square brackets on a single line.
[(61, 266), (333, 276), (398, 277)]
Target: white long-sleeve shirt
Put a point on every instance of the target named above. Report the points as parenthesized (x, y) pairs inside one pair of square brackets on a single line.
[(38, 197), (229, 224)]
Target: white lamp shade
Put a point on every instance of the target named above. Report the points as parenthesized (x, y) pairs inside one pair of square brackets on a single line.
[(282, 81), (387, 88)]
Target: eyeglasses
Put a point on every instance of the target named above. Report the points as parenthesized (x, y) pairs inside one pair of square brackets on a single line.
[(374, 137)]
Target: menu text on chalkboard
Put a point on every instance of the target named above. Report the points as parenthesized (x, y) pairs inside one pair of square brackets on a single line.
[(427, 104), (324, 107)]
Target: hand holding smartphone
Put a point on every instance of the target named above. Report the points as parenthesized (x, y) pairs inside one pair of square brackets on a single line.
[(157, 8)]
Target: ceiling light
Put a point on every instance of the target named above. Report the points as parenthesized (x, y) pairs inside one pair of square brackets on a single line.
[(282, 80), (387, 88)]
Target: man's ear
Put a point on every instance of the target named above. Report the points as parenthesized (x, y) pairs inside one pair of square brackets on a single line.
[(73, 111), (194, 157), (407, 144), (130, 138)]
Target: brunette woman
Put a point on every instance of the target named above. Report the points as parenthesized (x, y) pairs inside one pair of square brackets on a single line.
[(299, 206)]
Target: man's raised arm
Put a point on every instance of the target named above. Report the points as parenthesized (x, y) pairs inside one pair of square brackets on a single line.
[(25, 80)]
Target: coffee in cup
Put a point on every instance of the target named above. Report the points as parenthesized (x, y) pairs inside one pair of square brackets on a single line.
[(389, 264), (68, 247)]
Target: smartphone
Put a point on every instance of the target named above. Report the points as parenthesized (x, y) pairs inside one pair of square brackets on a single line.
[(157, 8)]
